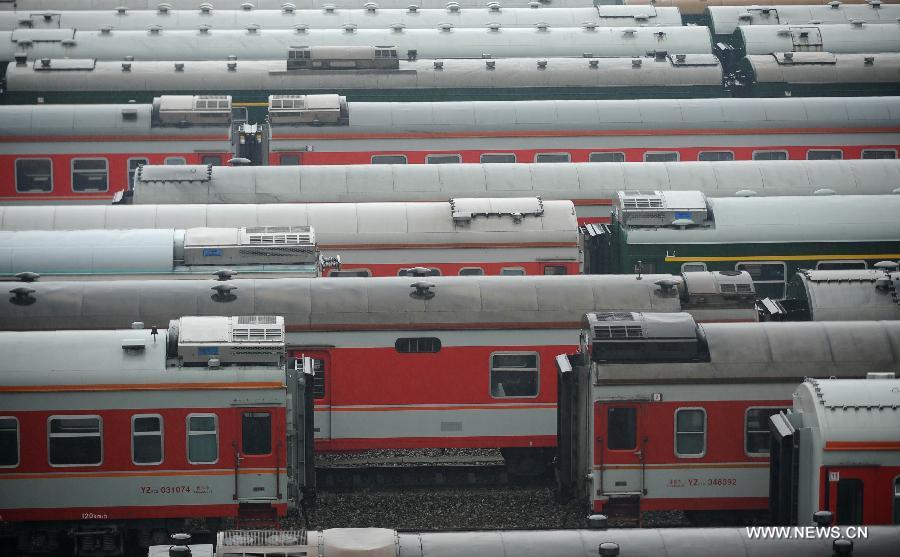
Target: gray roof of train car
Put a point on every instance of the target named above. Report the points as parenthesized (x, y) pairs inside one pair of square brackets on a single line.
[(698, 7), (342, 223), (273, 44), (825, 67), (851, 409), (380, 18), (93, 119), (784, 351), (848, 295), (839, 39), (279, 184), (339, 304), (272, 76), (832, 218), (273, 4), (725, 19)]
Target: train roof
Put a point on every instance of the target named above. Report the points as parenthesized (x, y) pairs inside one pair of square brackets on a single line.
[(273, 44), (697, 7), (463, 221), (269, 4), (851, 410), (837, 38), (790, 219), (486, 302), (419, 182), (362, 18), (272, 76), (785, 352), (723, 20), (824, 67), (850, 294)]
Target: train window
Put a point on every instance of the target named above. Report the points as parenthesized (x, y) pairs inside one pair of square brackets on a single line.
[(471, 272), (823, 155), (34, 175), (146, 439), (175, 160), (203, 438), (9, 442), (318, 378), (443, 159), (715, 156), (512, 271), (256, 433), (418, 272), (214, 160), (879, 154), (768, 277), (75, 440), (555, 270), (621, 428), (849, 501), (289, 160), (693, 267), (350, 273), (690, 432), (770, 155), (133, 165), (661, 157), (514, 374), (840, 265), (488, 158), (90, 175), (552, 157), (388, 159), (606, 157), (756, 430), (897, 500), (424, 345)]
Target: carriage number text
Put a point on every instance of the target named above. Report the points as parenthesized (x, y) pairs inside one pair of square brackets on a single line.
[(697, 482)]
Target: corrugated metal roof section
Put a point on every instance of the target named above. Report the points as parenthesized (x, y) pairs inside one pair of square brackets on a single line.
[(272, 76), (725, 19), (861, 410), (489, 301), (847, 295), (823, 67), (832, 218), (25, 5), (378, 18), (837, 38), (273, 44)]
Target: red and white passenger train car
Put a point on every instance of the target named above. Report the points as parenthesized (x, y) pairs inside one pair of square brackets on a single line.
[(663, 414), (139, 433)]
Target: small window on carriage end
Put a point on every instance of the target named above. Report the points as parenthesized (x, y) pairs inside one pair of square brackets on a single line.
[(9, 442), (770, 155), (552, 157), (214, 160), (256, 433), (879, 154), (443, 159), (824, 155), (713, 156), (175, 160), (350, 273), (512, 271), (471, 272), (133, 165), (514, 374), (669, 156), (388, 159), (289, 160), (490, 158), (756, 430), (555, 270), (418, 345), (621, 428), (34, 175), (414, 272), (606, 157)]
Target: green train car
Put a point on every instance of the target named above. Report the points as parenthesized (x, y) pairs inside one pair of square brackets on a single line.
[(771, 238)]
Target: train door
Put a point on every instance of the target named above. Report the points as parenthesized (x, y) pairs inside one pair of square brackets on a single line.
[(806, 39), (321, 360), (619, 444), (850, 494), (259, 456)]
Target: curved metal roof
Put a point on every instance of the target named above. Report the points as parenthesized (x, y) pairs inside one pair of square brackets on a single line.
[(697, 7), (340, 304), (854, 410), (357, 183), (723, 20), (849, 295), (817, 219), (271, 76), (825, 67), (23, 5), (838, 38), (379, 18)]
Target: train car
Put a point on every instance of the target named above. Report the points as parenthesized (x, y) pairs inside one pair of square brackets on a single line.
[(839, 295), (592, 187), (24, 5), (370, 17), (724, 20), (442, 362), (835, 450), (851, 38), (631, 542), (816, 73), (665, 414), (162, 253), (117, 436), (770, 238), (250, 82), (695, 11), (446, 41), (465, 236)]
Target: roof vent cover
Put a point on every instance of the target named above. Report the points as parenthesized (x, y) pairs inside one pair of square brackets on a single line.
[(680, 208)]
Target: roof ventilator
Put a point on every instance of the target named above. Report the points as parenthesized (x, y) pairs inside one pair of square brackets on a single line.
[(542, 26), (164, 8), (206, 8), (439, 64), (329, 8), (121, 10), (247, 6), (413, 8), (593, 64), (494, 6), (370, 7), (490, 64), (494, 26), (422, 290), (542, 64), (288, 8), (589, 25), (453, 7)]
